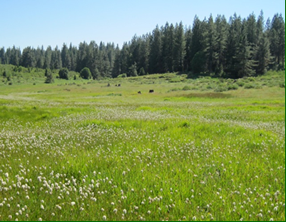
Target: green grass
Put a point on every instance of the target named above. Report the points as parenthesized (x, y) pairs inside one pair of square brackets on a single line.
[(79, 150)]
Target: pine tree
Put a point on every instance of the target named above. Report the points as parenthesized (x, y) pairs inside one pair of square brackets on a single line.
[(277, 40), (179, 48), (28, 59), (197, 55), (49, 76), (188, 38), (244, 65), (168, 44), (155, 58), (210, 45), (132, 70), (232, 46), (221, 30), (48, 58), (263, 55)]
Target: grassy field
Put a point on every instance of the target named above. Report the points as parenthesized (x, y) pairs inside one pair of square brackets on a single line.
[(195, 149)]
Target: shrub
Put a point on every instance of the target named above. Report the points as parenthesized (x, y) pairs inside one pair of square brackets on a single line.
[(64, 73), (85, 73), (50, 78), (232, 87), (122, 75), (249, 86), (209, 86), (220, 89), (240, 83), (282, 84), (186, 88)]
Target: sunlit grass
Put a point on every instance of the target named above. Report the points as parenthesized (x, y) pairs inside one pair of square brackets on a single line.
[(93, 152)]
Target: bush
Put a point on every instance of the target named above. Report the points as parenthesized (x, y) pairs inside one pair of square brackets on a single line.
[(50, 78), (64, 73), (249, 86), (209, 86), (232, 87), (85, 73), (186, 88), (282, 84), (240, 83), (221, 89), (123, 75)]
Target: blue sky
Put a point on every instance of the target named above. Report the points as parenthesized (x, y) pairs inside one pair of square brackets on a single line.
[(54, 22)]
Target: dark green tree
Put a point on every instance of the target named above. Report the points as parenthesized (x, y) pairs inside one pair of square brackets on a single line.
[(28, 59), (49, 76), (132, 70), (244, 65), (277, 40), (263, 55), (64, 73), (142, 71), (188, 38), (168, 44), (210, 46), (222, 31), (85, 73), (155, 57), (179, 48), (48, 58)]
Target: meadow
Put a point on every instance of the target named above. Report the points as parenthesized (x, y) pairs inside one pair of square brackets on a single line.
[(196, 149)]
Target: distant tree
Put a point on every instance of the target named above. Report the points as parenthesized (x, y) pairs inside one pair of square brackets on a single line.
[(49, 77), (263, 55), (198, 62), (85, 73), (188, 38), (64, 73), (155, 57), (46, 72), (221, 30), (179, 47), (141, 71), (210, 45), (244, 65), (277, 40), (48, 58), (28, 58), (96, 74), (2, 55), (132, 70), (65, 57), (168, 44)]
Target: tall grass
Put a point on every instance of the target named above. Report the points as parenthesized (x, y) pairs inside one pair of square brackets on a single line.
[(89, 154)]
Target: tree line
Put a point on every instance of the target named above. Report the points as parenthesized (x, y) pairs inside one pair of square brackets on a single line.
[(233, 49)]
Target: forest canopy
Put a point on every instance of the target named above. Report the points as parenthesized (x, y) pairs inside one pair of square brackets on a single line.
[(214, 46)]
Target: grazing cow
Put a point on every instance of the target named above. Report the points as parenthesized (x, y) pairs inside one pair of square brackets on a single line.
[(139, 92), (118, 85), (108, 84), (151, 90)]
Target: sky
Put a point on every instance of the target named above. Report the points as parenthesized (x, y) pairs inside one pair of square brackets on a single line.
[(45, 23)]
